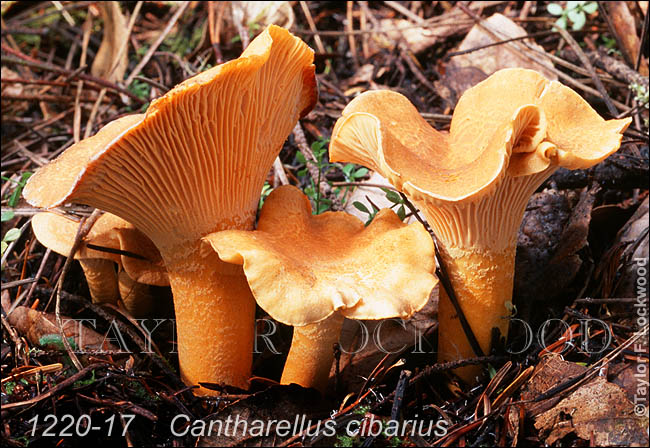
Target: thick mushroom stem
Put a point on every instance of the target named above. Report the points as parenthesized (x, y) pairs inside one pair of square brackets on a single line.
[(101, 278), (312, 352), (215, 322), (480, 272), (482, 282), (136, 297)]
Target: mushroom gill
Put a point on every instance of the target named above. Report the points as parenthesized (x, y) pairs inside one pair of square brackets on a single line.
[(194, 164), (508, 134)]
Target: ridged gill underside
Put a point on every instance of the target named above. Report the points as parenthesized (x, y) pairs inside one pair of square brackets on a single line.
[(196, 162)]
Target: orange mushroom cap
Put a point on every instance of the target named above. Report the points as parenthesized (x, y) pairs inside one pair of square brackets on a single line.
[(312, 271), (241, 111), (508, 134), (193, 164), (302, 268), (515, 123), (125, 245)]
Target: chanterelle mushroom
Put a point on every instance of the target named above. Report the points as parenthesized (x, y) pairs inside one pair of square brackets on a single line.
[(508, 134), (194, 164), (139, 261), (313, 271)]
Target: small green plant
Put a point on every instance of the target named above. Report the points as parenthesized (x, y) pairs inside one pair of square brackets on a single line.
[(253, 28), (346, 441), (371, 214), (392, 196), (54, 340), (319, 149), (266, 191), (12, 201), (491, 371), (14, 197), (576, 12), (9, 387), (361, 410), (351, 173), (640, 94), (610, 45), (82, 383), (10, 236), (140, 89)]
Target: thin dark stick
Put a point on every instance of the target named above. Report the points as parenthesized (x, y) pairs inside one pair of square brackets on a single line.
[(590, 68), (62, 385), (501, 42), (400, 390), (84, 227), (25, 60), (441, 272), (110, 250), (644, 37)]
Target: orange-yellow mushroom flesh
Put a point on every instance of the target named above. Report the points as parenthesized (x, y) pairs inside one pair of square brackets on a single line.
[(508, 134), (193, 164), (312, 271)]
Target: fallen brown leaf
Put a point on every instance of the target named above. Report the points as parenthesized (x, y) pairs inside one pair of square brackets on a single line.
[(34, 325), (250, 418), (107, 64), (599, 412), (465, 70), (541, 229), (633, 237), (551, 371), (391, 336)]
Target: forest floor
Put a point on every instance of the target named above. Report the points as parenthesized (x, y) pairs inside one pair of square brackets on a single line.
[(574, 369)]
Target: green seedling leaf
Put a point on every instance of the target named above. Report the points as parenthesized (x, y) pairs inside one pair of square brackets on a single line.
[(561, 22), (590, 7), (401, 212), (359, 206), (4, 247), (554, 9), (56, 341), (578, 18), (15, 196), (361, 172), (393, 197), (8, 215), (11, 235), (300, 157)]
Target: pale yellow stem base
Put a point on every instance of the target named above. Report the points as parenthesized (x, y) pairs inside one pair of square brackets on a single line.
[(483, 282), (102, 279), (215, 321), (312, 352), (136, 297)]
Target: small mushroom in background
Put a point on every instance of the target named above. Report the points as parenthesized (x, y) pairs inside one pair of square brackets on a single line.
[(139, 261), (508, 134), (311, 272), (193, 164)]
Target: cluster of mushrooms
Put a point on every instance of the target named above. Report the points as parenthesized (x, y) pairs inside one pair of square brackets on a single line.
[(181, 184)]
